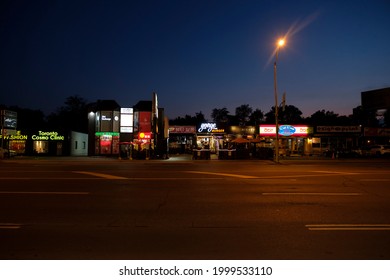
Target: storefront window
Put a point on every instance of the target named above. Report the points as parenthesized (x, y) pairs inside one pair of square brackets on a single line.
[(41, 147)]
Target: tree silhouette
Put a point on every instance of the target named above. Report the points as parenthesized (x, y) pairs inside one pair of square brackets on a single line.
[(220, 116), (72, 116), (291, 115), (243, 114)]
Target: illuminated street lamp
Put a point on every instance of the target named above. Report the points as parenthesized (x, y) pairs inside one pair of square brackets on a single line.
[(280, 44)]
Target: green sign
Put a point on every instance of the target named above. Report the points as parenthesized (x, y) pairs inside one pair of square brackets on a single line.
[(107, 133)]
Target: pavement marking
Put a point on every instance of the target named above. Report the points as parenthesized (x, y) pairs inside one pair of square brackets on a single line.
[(350, 227), (9, 226), (54, 193), (374, 180), (224, 174), (46, 178), (336, 172), (101, 175), (301, 193)]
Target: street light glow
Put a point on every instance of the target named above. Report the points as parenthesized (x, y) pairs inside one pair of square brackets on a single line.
[(281, 42)]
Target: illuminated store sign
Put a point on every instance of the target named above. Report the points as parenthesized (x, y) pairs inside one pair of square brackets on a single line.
[(145, 135), (47, 135), (105, 118), (285, 130), (339, 129), (207, 127), (14, 137), (127, 120), (182, 129), (107, 133)]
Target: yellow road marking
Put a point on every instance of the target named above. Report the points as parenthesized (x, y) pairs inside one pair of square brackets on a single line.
[(101, 175)]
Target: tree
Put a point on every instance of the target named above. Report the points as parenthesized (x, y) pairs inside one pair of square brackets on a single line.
[(256, 117), (243, 114), (188, 120), (291, 115), (220, 115), (200, 117), (322, 117), (72, 116)]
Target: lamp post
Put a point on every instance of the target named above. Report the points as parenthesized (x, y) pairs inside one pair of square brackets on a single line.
[(279, 45)]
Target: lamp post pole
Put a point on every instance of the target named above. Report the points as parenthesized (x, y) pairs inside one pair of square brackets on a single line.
[(280, 44)]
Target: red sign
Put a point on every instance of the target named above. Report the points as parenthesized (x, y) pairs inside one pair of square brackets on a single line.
[(145, 135), (182, 129), (145, 123)]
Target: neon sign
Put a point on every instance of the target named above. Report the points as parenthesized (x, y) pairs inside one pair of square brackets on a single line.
[(47, 135), (207, 127)]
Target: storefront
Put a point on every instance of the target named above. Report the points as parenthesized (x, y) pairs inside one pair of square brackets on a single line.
[(375, 136), (331, 140), (14, 140), (210, 137), (106, 143), (48, 143), (143, 147), (181, 139), (293, 139)]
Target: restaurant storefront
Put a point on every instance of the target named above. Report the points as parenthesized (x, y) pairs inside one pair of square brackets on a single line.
[(181, 139), (293, 139), (209, 136)]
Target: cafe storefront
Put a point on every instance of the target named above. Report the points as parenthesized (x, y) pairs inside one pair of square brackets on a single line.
[(294, 140)]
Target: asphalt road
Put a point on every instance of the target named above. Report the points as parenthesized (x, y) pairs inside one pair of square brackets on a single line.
[(96, 208)]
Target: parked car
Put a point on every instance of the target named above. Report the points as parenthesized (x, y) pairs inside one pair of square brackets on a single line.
[(380, 150)]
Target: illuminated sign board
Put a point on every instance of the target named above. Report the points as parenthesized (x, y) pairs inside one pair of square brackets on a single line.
[(145, 135), (210, 127), (16, 136), (107, 133), (127, 120), (339, 129), (285, 130), (47, 135), (9, 118), (182, 129)]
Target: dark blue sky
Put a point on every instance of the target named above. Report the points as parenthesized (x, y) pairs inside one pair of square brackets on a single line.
[(197, 55)]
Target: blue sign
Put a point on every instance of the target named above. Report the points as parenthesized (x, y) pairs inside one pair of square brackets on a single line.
[(286, 130)]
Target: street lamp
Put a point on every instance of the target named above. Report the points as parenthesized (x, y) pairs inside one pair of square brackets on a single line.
[(280, 44)]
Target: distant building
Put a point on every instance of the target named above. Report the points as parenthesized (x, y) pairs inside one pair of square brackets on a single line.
[(378, 99)]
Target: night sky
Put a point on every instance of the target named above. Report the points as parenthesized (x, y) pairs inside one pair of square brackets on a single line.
[(197, 55)]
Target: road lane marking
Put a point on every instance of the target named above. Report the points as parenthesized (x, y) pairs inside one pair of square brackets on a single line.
[(348, 227), (224, 174), (374, 180), (46, 178), (101, 175), (53, 193), (298, 193), (9, 226), (335, 172)]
